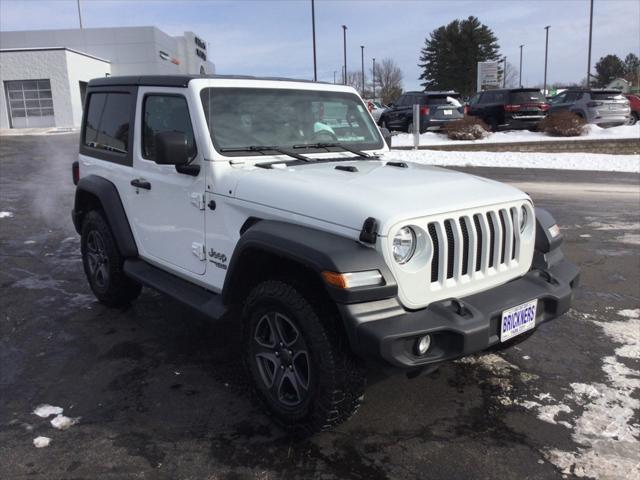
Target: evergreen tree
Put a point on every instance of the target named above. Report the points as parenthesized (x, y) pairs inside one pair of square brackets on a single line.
[(608, 68), (450, 56)]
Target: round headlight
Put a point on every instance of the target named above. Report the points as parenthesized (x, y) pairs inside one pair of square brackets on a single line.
[(524, 216), (404, 245)]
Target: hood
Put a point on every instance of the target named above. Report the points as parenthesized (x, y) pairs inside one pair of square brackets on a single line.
[(390, 194)]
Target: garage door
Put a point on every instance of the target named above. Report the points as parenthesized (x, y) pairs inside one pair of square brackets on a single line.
[(30, 103)]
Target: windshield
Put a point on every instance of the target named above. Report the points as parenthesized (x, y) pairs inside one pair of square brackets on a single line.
[(241, 117)]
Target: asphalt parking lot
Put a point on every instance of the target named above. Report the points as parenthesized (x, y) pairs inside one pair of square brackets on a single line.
[(160, 393)]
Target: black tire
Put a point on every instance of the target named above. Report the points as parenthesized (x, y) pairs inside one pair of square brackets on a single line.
[(634, 118), (291, 341), (383, 124), (103, 263)]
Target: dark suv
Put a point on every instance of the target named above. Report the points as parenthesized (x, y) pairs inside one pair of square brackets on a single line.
[(436, 109), (509, 109)]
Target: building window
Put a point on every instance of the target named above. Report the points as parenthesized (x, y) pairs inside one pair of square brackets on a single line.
[(30, 103)]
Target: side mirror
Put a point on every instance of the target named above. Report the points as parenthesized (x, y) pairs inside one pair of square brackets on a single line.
[(386, 134), (172, 148), (391, 105)]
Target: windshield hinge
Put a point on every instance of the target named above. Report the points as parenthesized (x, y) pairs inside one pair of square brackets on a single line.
[(197, 199)]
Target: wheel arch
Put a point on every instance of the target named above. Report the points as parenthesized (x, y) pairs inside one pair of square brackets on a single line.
[(270, 249), (94, 192)]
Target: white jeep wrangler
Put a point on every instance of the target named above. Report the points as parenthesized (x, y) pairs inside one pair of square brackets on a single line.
[(282, 198)]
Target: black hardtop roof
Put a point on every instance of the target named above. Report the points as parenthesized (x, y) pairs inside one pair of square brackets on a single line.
[(520, 89), (178, 80)]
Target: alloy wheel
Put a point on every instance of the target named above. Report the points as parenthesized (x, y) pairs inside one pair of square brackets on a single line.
[(97, 259), (282, 358)]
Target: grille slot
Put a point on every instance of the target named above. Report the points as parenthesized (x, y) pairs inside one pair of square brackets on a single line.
[(451, 247), (436, 252), (504, 236), (491, 240), (465, 246), (476, 221)]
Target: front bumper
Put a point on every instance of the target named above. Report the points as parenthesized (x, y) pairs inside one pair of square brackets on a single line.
[(383, 332)]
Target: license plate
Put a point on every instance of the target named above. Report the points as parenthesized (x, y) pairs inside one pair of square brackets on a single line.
[(448, 112), (518, 320)]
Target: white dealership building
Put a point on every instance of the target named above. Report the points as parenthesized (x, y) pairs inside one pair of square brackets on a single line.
[(44, 73)]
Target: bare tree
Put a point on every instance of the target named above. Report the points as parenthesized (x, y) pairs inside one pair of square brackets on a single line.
[(388, 77), (511, 75)]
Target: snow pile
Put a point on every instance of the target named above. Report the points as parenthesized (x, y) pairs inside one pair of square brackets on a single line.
[(6, 214), (555, 161), (44, 410), (593, 132), (601, 416), (63, 423), (41, 442)]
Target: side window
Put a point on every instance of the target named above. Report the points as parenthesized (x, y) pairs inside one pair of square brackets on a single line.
[(475, 99), (488, 97), (107, 125), (402, 101), (165, 113), (572, 97)]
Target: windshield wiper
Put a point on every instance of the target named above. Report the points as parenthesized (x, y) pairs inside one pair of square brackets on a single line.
[(267, 148), (326, 146)]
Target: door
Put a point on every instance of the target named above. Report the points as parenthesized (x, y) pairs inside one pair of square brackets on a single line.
[(168, 206), (393, 115), (30, 103)]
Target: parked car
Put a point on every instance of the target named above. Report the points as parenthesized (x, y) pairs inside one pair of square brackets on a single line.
[(337, 258), (509, 109), (634, 105), (375, 108), (605, 108), (436, 110)]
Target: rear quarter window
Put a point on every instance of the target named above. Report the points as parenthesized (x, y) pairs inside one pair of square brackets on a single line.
[(527, 97), (107, 122), (606, 96)]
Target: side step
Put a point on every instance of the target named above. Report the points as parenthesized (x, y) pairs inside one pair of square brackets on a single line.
[(206, 302)]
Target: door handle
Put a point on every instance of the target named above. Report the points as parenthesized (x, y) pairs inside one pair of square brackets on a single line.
[(140, 183)]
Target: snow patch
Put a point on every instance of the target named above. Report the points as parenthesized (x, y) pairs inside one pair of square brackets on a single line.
[(630, 313), (44, 410), (29, 242), (6, 214), (585, 235), (555, 161), (614, 226), (630, 238), (41, 442), (63, 423), (593, 133)]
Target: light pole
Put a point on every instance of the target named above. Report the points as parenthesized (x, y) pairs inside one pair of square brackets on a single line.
[(334, 76), (79, 15), (344, 42), (373, 80), (313, 33), (546, 53), (589, 54), (504, 72), (362, 59), (521, 65)]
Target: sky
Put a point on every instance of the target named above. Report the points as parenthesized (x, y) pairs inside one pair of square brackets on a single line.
[(273, 37)]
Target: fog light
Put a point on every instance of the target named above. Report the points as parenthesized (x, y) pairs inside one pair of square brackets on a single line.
[(423, 344)]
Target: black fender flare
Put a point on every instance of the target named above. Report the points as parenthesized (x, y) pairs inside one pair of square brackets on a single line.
[(316, 250), (110, 203)]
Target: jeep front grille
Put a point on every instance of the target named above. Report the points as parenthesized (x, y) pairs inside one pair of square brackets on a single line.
[(474, 245)]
